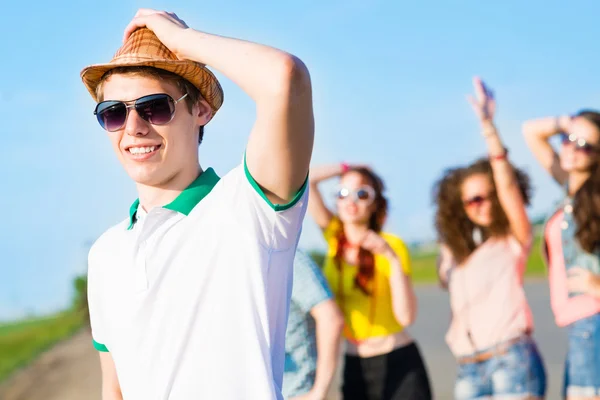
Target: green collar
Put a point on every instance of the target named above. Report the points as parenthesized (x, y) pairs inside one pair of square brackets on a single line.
[(187, 200)]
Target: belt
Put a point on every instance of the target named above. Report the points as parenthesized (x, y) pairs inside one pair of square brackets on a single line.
[(495, 351)]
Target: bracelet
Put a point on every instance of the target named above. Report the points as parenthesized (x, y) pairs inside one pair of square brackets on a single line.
[(345, 167), (502, 156)]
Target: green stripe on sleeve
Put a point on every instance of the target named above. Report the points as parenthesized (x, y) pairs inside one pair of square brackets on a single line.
[(100, 346), (276, 207)]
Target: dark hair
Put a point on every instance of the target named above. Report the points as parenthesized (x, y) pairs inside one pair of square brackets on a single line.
[(586, 204), (454, 228), (185, 86), (366, 260)]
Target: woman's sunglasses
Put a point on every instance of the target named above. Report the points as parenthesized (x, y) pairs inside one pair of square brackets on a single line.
[(158, 109), (580, 144), (363, 193), (475, 200)]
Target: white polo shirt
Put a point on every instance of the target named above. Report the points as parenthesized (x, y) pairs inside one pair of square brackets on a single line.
[(192, 298)]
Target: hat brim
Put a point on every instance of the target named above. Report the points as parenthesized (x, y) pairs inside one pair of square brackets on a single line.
[(197, 74)]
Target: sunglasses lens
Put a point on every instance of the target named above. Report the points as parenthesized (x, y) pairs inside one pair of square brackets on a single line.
[(564, 138), (476, 200), (343, 193), (111, 115), (363, 194), (157, 109)]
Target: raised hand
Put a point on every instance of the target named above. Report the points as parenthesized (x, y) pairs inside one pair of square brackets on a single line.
[(374, 243), (483, 103), (165, 25)]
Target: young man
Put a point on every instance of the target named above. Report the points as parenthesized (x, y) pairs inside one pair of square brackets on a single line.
[(313, 334), (189, 295)]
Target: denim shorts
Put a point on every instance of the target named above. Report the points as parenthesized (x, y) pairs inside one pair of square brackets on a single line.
[(517, 372), (582, 367)]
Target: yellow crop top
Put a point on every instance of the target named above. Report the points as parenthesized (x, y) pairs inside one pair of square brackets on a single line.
[(357, 307)]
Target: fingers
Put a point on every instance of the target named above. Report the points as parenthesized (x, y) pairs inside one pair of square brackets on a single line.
[(473, 102), (145, 11), (136, 23), (145, 17), (374, 243), (476, 106), (479, 88)]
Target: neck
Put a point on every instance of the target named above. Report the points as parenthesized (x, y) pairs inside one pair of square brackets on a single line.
[(152, 196), (355, 232), (576, 181)]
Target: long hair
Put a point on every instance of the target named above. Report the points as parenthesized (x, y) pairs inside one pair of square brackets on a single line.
[(586, 204), (454, 228), (366, 260)]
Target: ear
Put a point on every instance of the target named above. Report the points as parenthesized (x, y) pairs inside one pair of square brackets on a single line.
[(203, 112)]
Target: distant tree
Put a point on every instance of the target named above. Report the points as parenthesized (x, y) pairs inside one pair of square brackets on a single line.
[(80, 300)]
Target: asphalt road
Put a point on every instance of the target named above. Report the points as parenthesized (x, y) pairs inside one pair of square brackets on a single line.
[(433, 320), (70, 371)]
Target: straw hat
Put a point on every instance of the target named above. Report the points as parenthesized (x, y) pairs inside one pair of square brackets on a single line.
[(143, 48)]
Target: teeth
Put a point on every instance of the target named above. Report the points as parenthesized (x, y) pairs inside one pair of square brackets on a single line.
[(141, 150)]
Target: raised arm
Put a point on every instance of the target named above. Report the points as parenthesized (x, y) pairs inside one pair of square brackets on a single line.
[(537, 134), (280, 145), (507, 186), (316, 205)]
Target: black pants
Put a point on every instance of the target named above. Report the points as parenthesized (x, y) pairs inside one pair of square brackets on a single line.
[(399, 375)]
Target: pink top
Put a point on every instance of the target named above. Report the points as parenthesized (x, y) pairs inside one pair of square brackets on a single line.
[(566, 310), (486, 296)]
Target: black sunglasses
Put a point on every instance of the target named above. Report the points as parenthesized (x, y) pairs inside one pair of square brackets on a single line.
[(580, 144), (158, 109), (475, 200)]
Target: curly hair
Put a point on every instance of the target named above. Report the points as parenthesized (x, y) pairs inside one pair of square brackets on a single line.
[(366, 260), (454, 228), (586, 203)]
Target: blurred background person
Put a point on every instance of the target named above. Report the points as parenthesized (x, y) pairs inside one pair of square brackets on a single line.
[(312, 339), (486, 238), (369, 273), (572, 241)]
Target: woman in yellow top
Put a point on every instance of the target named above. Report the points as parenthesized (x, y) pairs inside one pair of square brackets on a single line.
[(369, 273)]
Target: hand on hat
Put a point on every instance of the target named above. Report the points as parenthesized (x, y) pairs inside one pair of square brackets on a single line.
[(165, 25), (483, 103)]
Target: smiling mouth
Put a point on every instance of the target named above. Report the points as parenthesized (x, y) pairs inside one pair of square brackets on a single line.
[(142, 150)]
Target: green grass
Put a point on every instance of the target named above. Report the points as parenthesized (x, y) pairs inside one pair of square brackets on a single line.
[(22, 341), (424, 265)]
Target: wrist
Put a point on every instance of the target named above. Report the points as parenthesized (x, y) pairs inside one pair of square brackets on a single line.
[(183, 36), (500, 156), (561, 123), (488, 128), (344, 167)]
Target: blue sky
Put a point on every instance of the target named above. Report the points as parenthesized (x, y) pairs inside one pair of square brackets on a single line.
[(389, 80)]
